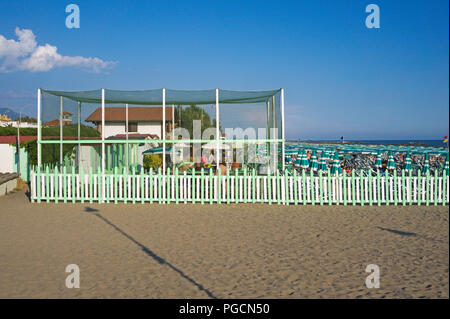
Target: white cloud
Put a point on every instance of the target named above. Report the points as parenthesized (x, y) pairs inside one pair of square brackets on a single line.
[(26, 55)]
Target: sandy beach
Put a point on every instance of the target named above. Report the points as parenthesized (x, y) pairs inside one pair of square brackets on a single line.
[(221, 251)]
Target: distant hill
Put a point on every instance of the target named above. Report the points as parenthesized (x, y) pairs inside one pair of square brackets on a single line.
[(9, 113)]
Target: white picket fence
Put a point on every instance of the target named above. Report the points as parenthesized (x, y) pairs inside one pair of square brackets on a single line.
[(53, 186)]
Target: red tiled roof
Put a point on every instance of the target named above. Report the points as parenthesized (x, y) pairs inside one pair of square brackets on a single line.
[(56, 122), (115, 114)]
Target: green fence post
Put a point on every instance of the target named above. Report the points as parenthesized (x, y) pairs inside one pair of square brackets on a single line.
[(150, 185), (313, 191), (344, 186), (133, 185), (321, 187), (125, 184), (47, 183), (168, 188), (210, 185), (91, 185), (403, 188), (73, 185), (56, 184), (176, 186), (219, 186), (228, 187), (81, 170), (38, 184), (361, 187), (387, 190), (304, 186), (409, 187), (295, 188), (142, 186), (444, 187), (419, 188), (353, 188), (64, 176), (159, 186), (253, 185), (370, 190), (395, 188), (99, 185), (378, 188), (244, 182), (435, 195), (330, 197), (116, 184), (202, 186), (427, 186), (269, 186)]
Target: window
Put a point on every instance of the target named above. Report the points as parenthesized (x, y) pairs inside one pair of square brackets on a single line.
[(132, 127)]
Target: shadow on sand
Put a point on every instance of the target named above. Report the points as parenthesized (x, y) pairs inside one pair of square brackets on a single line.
[(398, 232), (149, 252)]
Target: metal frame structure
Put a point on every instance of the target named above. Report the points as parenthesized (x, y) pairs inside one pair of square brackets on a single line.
[(269, 138)]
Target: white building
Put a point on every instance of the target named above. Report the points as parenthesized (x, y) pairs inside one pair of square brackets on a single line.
[(141, 120)]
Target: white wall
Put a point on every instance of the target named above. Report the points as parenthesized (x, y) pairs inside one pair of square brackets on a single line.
[(7, 158), (151, 127), (112, 129)]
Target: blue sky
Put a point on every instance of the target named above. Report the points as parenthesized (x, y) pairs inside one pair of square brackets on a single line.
[(340, 77)]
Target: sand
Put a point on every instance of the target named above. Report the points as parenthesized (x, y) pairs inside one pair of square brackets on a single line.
[(221, 251)]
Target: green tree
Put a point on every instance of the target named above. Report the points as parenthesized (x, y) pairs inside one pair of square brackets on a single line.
[(185, 118)]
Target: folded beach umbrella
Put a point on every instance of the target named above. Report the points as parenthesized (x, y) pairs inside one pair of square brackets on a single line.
[(323, 163), (304, 163), (378, 162), (314, 163), (156, 150), (298, 160), (408, 165), (336, 167), (446, 166), (390, 162), (287, 158), (290, 152), (426, 164)]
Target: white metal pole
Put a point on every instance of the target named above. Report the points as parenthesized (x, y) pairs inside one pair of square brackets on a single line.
[(164, 130), (173, 121), (103, 144), (126, 135), (103, 131), (39, 136), (60, 131), (217, 128), (274, 134), (173, 132), (282, 128), (268, 129), (18, 141), (79, 134)]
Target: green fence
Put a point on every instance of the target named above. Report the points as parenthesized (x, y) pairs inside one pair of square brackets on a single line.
[(52, 185)]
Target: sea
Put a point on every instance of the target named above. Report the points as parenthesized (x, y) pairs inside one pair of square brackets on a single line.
[(434, 143)]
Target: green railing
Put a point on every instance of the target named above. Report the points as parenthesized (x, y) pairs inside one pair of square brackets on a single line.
[(52, 185)]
